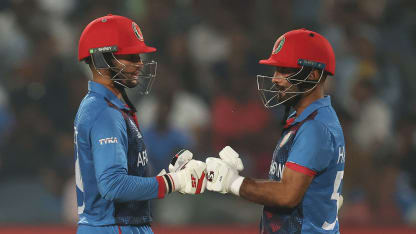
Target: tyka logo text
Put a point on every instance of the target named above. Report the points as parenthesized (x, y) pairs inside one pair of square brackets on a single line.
[(108, 140)]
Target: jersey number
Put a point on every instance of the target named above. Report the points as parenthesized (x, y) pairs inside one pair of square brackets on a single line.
[(78, 177), (335, 196)]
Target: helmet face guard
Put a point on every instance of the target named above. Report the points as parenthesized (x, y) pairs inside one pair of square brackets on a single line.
[(300, 49), (141, 78), (273, 94), (106, 37)]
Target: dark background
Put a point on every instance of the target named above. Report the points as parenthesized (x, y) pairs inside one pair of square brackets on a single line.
[(205, 97)]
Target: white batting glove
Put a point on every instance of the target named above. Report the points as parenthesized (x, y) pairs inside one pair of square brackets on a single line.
[(223, 174), (232, 158), (190, 180), (178, 161)]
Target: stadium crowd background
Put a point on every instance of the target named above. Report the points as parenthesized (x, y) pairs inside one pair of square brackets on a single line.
[(205, 97)]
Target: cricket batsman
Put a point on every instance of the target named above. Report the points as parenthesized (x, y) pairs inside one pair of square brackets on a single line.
[(303, 193), (113, 185)]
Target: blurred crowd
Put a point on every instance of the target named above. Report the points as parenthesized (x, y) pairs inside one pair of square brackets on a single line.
[(205, 97)]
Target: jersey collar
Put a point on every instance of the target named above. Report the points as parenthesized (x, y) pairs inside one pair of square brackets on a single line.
[(325, 101), (106, 93)]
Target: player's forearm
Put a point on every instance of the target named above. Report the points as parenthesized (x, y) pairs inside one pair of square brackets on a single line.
[(122, 187), (269, 193)]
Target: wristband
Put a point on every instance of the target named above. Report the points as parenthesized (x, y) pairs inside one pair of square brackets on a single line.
[(235, 185)]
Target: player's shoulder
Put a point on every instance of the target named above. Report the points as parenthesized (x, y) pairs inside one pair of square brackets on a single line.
[(94, 108), (326, 114), (315, 127), (328, 118)]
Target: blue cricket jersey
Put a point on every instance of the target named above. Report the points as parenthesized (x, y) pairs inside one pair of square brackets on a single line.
[(312, 144), (111, 164)]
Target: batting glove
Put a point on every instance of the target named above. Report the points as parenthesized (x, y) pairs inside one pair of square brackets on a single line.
[(191, 179), (223, 173), (178, 161)]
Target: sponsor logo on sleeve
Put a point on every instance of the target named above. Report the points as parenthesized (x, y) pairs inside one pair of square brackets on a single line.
[(108, 140)]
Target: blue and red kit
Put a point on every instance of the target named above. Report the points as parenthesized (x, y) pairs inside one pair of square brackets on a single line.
[(313, 144), (111, 167)]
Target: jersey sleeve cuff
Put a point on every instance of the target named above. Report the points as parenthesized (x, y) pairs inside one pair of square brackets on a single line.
[(162, 187), (301, 169)]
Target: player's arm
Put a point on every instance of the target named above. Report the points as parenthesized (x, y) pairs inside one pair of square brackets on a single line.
[(286, 193), (109, 143), (312, 147), (110, 164), (310, 153), (223, 176)]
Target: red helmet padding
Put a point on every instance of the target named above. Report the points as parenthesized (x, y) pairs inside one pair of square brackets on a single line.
[(302, 44), (112, 30)]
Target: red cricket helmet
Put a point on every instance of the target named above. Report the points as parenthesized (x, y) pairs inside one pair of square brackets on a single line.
[(302, 47), (112, 33)]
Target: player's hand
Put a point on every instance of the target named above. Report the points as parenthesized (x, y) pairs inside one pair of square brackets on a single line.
[(232, 158), (223, 173), (178, 161), (191, 179)]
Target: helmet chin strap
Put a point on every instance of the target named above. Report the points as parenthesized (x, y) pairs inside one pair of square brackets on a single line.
[(122, 88)]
